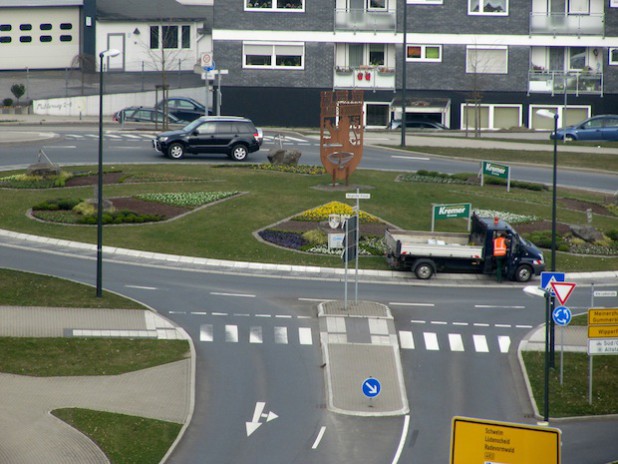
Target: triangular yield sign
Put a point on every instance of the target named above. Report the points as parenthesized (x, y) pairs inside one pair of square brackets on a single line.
[(563, 290)]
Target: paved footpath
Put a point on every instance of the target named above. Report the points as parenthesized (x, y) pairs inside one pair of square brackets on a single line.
[(30, 434)]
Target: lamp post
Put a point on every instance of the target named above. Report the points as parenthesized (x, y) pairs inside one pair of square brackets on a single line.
[(110, 52), (404, 76)]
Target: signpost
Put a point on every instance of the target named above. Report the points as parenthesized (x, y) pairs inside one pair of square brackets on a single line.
[(350, 242), (602, 337), (452, 211), (502, 171), (477, 441), (562, 316)]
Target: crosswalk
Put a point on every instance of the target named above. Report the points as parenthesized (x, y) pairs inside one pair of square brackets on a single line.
[(279, 335), (455, 342), (148, 136)]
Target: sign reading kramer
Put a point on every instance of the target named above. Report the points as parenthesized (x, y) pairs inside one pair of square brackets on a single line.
[(502, 171), (452, 211), (476, 441)]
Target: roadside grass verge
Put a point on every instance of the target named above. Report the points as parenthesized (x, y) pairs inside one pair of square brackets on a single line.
[(571, 398), (226, 230), (124, 439)]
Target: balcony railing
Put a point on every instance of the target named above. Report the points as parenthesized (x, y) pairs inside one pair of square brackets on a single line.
[(567, 24), (559, 82), (364, 77), (351, 19)]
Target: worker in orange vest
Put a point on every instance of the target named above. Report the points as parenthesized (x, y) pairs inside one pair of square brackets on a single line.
[(499, 254)]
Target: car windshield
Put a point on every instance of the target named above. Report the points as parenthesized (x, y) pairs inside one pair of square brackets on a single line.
[(192, 125)]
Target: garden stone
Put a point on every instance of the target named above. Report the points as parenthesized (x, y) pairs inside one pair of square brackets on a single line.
[(587, 233), (284, 157)]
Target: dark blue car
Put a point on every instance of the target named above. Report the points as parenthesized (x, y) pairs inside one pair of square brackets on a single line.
[(597, 128), (184, 108)]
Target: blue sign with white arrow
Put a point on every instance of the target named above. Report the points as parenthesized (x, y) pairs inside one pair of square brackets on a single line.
[(371, 387), (562, 315), (548, 277)]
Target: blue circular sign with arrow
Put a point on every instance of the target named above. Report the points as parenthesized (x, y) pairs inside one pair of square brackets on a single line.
[(562, 315), (371, 387)]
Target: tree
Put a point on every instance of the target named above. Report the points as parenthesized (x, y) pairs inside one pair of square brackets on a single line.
[(18, 90)]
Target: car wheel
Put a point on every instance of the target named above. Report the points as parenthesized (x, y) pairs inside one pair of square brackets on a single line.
[(239, 152), (569, 138), (424, 270), (176, 151), (523, 273)]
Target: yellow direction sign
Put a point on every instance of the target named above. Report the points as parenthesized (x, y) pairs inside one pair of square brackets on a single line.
[(477, 441), (603, 316), (602, 331)]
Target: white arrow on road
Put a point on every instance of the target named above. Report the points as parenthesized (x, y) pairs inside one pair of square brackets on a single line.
[(257, 414)]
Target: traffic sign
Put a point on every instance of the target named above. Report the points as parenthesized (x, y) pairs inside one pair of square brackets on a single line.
[(482, 441), (604, 293), (603, 331), (563, 290), (358, 196), (562, 315), (598, 316), (207, 60), (548, 277), (601, 346), (371, 387)]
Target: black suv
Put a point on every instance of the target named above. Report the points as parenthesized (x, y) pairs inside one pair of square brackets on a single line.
[(234, 136)]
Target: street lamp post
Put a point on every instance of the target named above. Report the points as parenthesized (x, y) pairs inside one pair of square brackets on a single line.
[(109, 53), (404, 75)]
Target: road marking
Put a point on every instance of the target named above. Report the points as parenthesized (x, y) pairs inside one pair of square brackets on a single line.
[(438, 322), (503, 326), (255, 335), (140, 287), (480, 344), (499, 307), (402, 440), (456, 342), (523, 326), (206, 333), (431, 341), (64, 147), (411, 158), (263, 315), (242, 315), (505, 343), (406, 340), (219, 314), (395, 303), (283, 316), (199, 313), (313, 299), (304, 335), (242, 295), (416, 321), (303, 317), (231, 333), (177, 312), (318, 439), (281, 335), (480, 324), (461, 323)]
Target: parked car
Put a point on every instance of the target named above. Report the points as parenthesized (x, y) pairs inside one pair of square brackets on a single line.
[(184, 108), (603, 127), (417, 124), (234, 136), (141, 114)]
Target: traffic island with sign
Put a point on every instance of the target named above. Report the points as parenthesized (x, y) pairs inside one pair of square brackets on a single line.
[(477, 441), (363, 371)]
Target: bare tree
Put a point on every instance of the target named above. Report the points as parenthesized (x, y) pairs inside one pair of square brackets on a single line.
[(478, 64)]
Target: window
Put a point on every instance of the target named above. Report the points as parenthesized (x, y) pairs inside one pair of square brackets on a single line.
[(186, 37), (170, 36), (25, 39), (577, 58), (66, 38), (45, 27), (25, 27), (5, 39), (5, 27), (376, 54), (486, 60), (488, 7), (275, 5), (424, 53), (154, 37), (259, 55), (376, 4), (66, 26), (45, 38), (613, 56)]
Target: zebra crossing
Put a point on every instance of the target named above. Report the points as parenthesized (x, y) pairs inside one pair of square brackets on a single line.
[(279, 335), (454, 342), (147, 136)]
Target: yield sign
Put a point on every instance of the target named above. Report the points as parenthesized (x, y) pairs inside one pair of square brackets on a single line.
[(563, 290)]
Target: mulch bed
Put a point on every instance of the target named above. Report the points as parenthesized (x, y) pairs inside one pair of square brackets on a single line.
[(148, 207), (108, 178)]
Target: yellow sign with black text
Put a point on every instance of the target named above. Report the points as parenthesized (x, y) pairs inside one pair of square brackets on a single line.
[(478, 441)]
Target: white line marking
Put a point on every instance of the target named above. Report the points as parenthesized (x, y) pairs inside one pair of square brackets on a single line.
[(206, 333), (505, 343), (242, 315), (503, 326), (431, 341), (438, 322), (499, 306), (523, 326), (231, 334), (242, 295), (140, 287), (406, 340), (263, 315), (255, 335), (303, 317), (461, 323), (318, 439), (456, 342), (416, 321), (283, 316), (199, 313), (313, 299), (177, 312), (394, 303), (64, 147), (304, 335), (411, 158), (257, 412), (480, 344), (480, 324), (402, 440), (219, 314), (281, 335)]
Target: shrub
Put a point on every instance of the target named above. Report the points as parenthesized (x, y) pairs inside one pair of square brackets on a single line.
[(62, 204), (543, 239), (85, 208), (612, 234), (315, 237), (7, 102)]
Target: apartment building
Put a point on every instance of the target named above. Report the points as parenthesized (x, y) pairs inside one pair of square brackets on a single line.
[(491, 63)]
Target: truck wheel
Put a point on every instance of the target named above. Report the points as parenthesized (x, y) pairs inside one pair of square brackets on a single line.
[(523, 273), (176, 151), (424, 270)]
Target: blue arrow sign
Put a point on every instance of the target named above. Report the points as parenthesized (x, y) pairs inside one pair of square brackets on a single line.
[(562, 315), (548, 277), (371, 387)]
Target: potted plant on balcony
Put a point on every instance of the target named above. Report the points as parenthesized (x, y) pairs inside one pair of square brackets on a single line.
[(343, 70), (386, 70)]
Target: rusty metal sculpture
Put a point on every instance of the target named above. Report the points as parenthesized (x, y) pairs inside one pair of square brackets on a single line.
[(341, 132)]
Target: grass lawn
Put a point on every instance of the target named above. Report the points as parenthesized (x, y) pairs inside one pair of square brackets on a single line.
[(225, 230)]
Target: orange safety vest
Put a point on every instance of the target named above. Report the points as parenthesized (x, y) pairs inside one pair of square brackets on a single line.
[(500, 246)]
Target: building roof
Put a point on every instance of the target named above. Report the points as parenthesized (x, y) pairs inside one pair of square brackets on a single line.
[(149, 10), (39, 3)]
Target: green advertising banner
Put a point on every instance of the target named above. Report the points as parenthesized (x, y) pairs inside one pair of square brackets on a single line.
[(451, 211), (502, 171)]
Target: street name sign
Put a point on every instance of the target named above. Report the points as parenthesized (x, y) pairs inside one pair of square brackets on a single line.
[(358, 196), (478, 441), (563, 290), (605, 293)]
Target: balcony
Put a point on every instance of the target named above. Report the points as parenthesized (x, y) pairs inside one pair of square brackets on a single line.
[(364, 77), (567, 24), (559, 82), (360, 20)]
